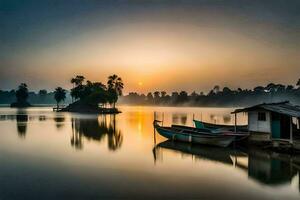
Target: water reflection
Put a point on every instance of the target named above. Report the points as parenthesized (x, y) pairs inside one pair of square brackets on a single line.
[(22, 120), (271, 168), (264, 167), (96, 128), (59, 121), (179, 118), (44, 161), (227, 119), (42, 118), (213, 118)]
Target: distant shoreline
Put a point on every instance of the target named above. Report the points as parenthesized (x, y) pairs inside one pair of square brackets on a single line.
[(131, 105)]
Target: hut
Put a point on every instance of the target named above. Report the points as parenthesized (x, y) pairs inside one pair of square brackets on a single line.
[(273, 122)]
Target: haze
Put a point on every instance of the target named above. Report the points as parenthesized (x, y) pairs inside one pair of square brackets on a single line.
[(152, 45)]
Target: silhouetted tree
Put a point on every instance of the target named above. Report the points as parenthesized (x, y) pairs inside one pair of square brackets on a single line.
[(216, 89), (43, 94), (115, 87), (22, 93), (298, 82), (289, 88), (59, 95), (226, 90), (163, 94), (150, 97), (258, 89), (194, 94), (77, 82), (183, 96), (156, 95)]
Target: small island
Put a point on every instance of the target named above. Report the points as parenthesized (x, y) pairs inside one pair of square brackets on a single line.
[(91, 97), (21, 96)]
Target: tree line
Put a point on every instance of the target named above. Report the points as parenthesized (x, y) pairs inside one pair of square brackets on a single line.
[(83, 92), (218, 96)]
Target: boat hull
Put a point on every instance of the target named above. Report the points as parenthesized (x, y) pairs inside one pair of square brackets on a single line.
[(217, 140)]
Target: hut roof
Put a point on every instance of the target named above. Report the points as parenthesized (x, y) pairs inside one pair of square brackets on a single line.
[(284, 108)]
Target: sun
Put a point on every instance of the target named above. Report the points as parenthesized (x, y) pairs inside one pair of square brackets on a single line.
[(140, 83)]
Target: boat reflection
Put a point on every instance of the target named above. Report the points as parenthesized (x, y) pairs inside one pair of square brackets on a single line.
[(264, 167), (222, 155), (96, 128)]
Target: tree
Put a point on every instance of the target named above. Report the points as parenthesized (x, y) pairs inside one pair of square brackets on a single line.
[(194, 94), (78, 80), (43, 94), (216, 89), (149, 97), (298, 83), (59, 95), (22, 93), (163, 94), (289, 88), (115, 88), (156, 95), (183, 96), (77, 86), (226, 90), (258, 89)]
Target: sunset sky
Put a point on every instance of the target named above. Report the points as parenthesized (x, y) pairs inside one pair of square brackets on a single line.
[(153, 45)]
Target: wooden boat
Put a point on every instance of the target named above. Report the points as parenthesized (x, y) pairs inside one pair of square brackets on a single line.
[(238, 135), (201, 124), (200, 137)]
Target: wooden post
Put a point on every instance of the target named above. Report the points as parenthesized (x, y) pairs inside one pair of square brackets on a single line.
[(154, 135), (291, 130), (235, 129), (163, 117)]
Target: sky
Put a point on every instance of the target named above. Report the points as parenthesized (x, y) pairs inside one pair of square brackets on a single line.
[(169, 45)]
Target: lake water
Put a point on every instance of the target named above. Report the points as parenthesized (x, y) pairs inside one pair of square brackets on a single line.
[(47, 155)]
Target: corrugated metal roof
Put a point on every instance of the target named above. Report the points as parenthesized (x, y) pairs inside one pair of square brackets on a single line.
[(284, 108)]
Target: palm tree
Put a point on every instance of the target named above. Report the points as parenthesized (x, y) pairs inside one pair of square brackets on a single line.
[(59, 95), (115, 87), (78, 80)]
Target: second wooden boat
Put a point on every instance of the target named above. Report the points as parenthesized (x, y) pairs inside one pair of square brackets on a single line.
[(201, 124), (199, 137)]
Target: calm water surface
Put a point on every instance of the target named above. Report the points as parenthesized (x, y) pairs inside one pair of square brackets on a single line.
[(46, 155)]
